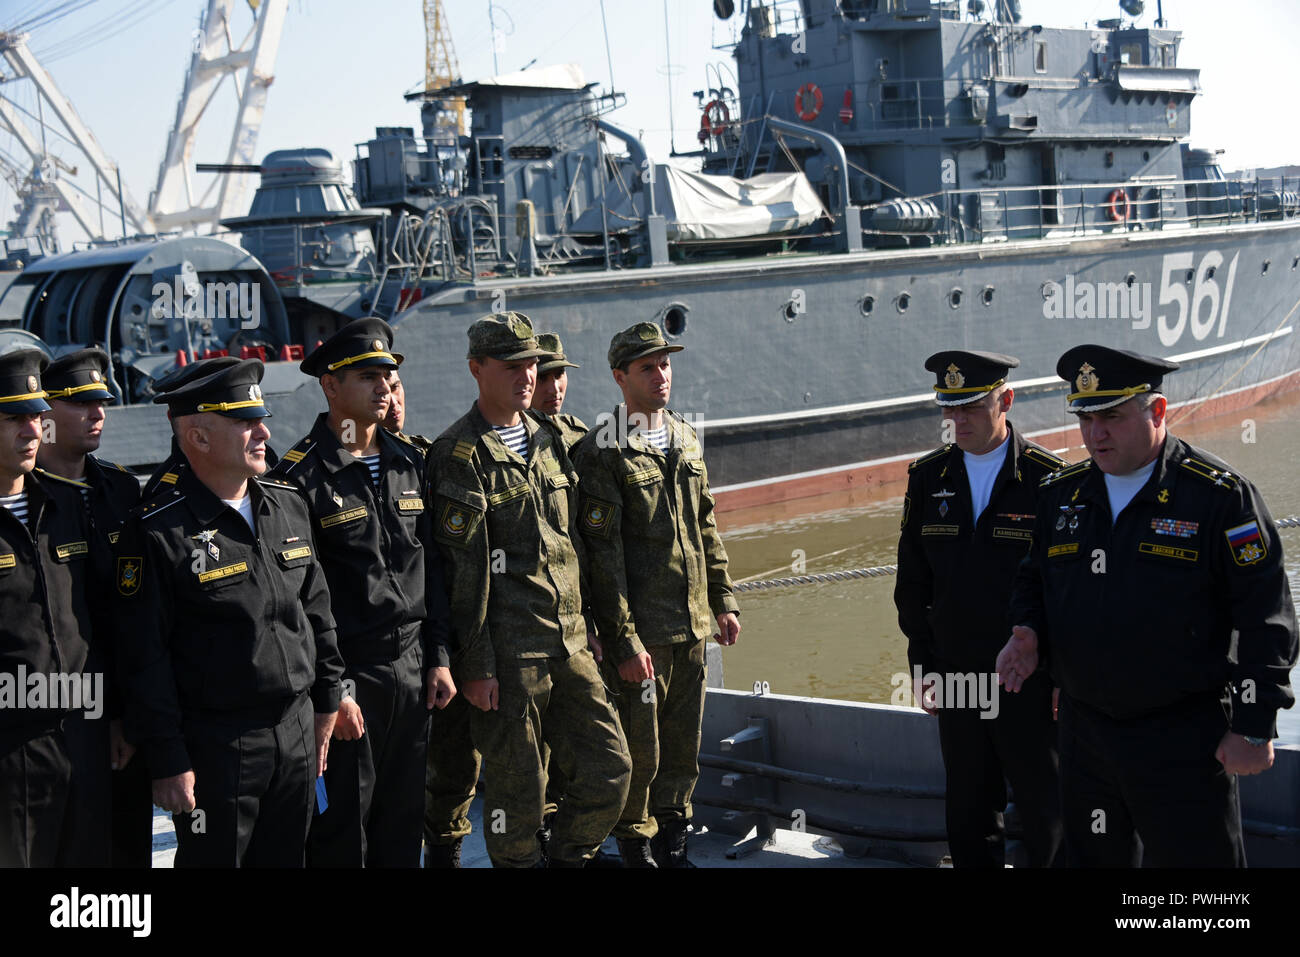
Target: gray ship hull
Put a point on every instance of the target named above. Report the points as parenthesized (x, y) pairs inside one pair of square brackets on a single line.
[(804, 371)]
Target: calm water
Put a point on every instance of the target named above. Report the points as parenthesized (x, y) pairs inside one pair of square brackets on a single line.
[(841, 639)]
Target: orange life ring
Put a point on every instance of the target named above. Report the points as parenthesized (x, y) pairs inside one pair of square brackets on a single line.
[(1117, 206), (808, 113), (715, 119)]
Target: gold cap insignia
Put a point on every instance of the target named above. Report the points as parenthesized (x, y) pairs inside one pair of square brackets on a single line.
[(377, 345), (254, 393), (1087, 380), (94, 375), (33, 384), (954, 379)]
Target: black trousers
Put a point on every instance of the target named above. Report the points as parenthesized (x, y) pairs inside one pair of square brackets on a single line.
[(980, 755), (54, 795), (1153, 779), (375, 784), (254, 786), (132, 828)]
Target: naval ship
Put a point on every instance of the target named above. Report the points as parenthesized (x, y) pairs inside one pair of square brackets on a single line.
[(876, 180)]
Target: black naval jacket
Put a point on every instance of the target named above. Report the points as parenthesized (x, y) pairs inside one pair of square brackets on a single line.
[(372, 546), (1192, 557), (44, 615), (954, 575), (217, 622), (113, 492)]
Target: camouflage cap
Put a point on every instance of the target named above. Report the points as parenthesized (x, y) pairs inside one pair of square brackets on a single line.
[(555, 357), (643, 339), (507, 336)]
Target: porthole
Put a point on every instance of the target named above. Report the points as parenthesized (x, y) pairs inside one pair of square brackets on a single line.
[(867, 306), (955, 299), (903, 301), (987, 296), (673, 319)]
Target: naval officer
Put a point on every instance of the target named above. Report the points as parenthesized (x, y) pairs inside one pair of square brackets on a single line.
[(1155, 591), (229, 655), (966, 525)]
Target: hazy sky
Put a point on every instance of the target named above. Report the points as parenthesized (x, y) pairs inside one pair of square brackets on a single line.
[(343, 66)]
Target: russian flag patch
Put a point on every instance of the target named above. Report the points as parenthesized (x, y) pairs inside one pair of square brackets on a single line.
[(1247, 544)]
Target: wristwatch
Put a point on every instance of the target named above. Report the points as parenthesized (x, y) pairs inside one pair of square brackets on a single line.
[(1255, 742)]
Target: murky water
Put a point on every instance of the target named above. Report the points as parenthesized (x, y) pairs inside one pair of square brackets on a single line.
[(841, 639)]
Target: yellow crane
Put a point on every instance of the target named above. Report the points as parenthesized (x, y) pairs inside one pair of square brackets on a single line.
[(441, 70)]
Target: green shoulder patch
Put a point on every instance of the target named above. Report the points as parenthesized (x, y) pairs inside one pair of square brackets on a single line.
[(598, 516), (463, 450), (130, 569)]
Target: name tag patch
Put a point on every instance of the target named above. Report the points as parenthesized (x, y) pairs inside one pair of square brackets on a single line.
[(64, 552), (303, 551), (1058, 551), (8, 560), (1013, 534), (225, 572), (508, 494), (339, 518), (940, 529), (410, 505), (1168, 551)]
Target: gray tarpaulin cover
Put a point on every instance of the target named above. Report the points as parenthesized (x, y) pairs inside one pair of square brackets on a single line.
[(703, 206)]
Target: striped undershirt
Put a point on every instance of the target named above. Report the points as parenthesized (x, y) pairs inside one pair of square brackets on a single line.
[(16, 504), (657, 437), (515, 437), (372, 463)]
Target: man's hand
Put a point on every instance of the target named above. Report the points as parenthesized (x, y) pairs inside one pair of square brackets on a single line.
[(439, 689), (119, 749), (175, 794), (484, 694), (1018, 659), (728, 628), (324, 729), (636, 669), (924, 692), (597, 649), (350, 724), (1238, 757)]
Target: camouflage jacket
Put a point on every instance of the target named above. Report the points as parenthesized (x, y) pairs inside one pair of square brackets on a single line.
[(658, 568), (506, 530), (570, 428)]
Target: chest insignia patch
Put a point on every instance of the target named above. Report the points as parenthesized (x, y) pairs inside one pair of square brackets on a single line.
[(1176, 527), (129, 569), (943, 509)]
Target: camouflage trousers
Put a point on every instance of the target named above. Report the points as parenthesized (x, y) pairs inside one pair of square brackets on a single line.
[(561, 703), (451, 773), (662, 725)]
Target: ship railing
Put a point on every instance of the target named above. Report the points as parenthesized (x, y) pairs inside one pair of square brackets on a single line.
[(1041, 211)]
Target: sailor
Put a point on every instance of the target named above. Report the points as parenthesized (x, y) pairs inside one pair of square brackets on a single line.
[(229, 654), (53, 749), (169, 469), (548, 399), (967, 519), (659, 588), (365, 489), (76, 387), (504, 499), (395, 418), (1155, 590), (552, 386)]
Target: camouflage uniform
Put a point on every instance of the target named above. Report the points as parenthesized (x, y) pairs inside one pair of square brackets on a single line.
[(506, 530), (647, 520)]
